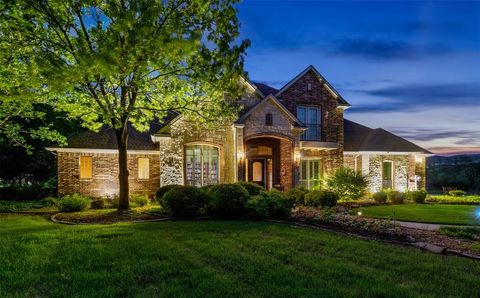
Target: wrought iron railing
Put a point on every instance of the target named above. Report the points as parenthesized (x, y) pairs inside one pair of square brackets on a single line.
[(313, 133)]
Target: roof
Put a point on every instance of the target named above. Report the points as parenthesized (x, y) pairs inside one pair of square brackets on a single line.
[(106, 139), (265, 89), (358, 137)]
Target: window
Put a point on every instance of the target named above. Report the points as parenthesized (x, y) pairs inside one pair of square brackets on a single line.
[(268, 119), (311, 117), (310, 174), (86, 171), (201, 165), (143, 168), (387, 174)]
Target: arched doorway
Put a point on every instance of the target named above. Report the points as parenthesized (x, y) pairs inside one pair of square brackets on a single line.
[(262, 161)]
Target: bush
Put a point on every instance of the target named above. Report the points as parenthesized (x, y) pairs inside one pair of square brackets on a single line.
[(139, 200), (322, 198), (73, 203), (184, 201), (253, 189), (228, 200), (396, 197), (380, 197), (457, 193), (30, 192), (163, 190), (297, 195), (418, 196), (347, 184), (270, 204), (98, 203)]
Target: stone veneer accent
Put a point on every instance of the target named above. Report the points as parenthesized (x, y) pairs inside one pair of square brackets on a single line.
[(184, 132), (405, 167), (105, 174), (286, 164)]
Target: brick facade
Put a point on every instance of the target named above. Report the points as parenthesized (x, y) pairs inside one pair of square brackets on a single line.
[(105, 174)]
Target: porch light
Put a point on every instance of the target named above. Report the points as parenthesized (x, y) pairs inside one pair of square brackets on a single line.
[(297, 155), (418, 158), (240, 155)]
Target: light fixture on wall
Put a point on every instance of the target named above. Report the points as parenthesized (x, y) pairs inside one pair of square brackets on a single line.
[(418, 158), (240, 155), (297, 155)]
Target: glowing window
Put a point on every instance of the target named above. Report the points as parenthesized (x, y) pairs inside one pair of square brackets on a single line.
[(86, 171), (257, 171), (143, 168), (201, 165)]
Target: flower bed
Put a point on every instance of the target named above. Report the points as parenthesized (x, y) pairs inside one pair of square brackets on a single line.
[(348, 223)]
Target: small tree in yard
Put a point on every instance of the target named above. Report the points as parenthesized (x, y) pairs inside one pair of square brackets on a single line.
[(347, 183), (119, 62)]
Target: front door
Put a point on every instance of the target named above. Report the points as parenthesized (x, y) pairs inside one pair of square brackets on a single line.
[(257, 171)]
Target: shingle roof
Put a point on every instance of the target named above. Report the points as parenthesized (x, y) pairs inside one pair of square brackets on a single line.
[(265, 89), (105, 139), (361, 138)]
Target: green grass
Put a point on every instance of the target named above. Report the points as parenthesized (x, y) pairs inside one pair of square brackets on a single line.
[(429, 213), (216, 259)]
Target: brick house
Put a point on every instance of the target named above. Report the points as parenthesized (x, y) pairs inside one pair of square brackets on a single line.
[(294, 136)]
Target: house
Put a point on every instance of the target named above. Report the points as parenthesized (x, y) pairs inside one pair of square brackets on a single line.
[(294, 136)]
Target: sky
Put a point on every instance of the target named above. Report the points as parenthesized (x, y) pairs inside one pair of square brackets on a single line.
[(410, 67)]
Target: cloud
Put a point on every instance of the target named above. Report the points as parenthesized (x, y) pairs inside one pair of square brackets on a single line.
[(380, 49), (447, 151), (421, 96), (465, 137)]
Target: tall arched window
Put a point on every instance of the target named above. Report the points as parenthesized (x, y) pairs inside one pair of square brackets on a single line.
[(268, 119), (201, 165)]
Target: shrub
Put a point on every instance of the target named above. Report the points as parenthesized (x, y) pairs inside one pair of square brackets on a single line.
[(347, 183), (184, 201), (163, 190), (395, 197), (322, 198), (253, 189), (139, 200), (457, 193), (228, 200), (28, 192), (273, 204), (297, 195), (418, 196), (73, 203), (98, 203), (380, 197)]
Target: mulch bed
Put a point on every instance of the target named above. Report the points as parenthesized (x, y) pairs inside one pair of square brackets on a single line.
[(105, 218)]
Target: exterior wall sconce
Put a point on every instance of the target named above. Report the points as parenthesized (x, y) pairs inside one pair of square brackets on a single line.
[(296, 156), (418, 158), (240, 155)]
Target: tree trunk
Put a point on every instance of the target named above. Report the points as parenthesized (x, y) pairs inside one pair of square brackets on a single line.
[(122, 138)]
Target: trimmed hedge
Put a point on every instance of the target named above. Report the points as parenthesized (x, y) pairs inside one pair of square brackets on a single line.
[(163, 190), (228, 200), (321, 198), (456, 193), (297, 195), (270, 204), (396, 197), (139, 200), (380, 197), (184, 201), (418, 196), (253, 189), (73, 203)]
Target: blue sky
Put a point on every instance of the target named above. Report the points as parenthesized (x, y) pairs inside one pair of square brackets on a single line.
[(410, 67)]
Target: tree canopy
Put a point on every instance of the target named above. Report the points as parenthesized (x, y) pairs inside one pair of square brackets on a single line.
[(112, 62)]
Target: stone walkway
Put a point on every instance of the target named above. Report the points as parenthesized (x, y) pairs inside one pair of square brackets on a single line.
[(426, 226)]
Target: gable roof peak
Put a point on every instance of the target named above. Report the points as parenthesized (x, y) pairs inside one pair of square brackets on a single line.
[(326, 84)]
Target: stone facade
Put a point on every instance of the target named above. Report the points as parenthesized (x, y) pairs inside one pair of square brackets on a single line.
[(184, 132), (408, 170), (105, 174)]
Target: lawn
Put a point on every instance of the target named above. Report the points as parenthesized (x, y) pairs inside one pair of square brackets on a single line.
[(216, 259), (430, 213)]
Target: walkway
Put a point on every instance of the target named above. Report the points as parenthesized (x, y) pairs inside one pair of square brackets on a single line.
[(427, 226)]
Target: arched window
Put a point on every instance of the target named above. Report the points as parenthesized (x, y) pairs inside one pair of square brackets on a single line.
[(268, 119), (201, 165)]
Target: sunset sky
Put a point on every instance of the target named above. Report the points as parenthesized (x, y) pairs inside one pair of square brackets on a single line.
[(410, 67)]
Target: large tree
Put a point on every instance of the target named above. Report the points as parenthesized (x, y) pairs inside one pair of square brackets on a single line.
[(115, 62)]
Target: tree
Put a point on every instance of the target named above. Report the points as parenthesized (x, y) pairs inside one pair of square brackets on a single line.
[(115, 62)]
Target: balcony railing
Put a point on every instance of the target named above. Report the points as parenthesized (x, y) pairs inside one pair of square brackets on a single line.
[(313, 133)]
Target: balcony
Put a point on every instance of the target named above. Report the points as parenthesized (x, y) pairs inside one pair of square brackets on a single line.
[(313, 133)]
